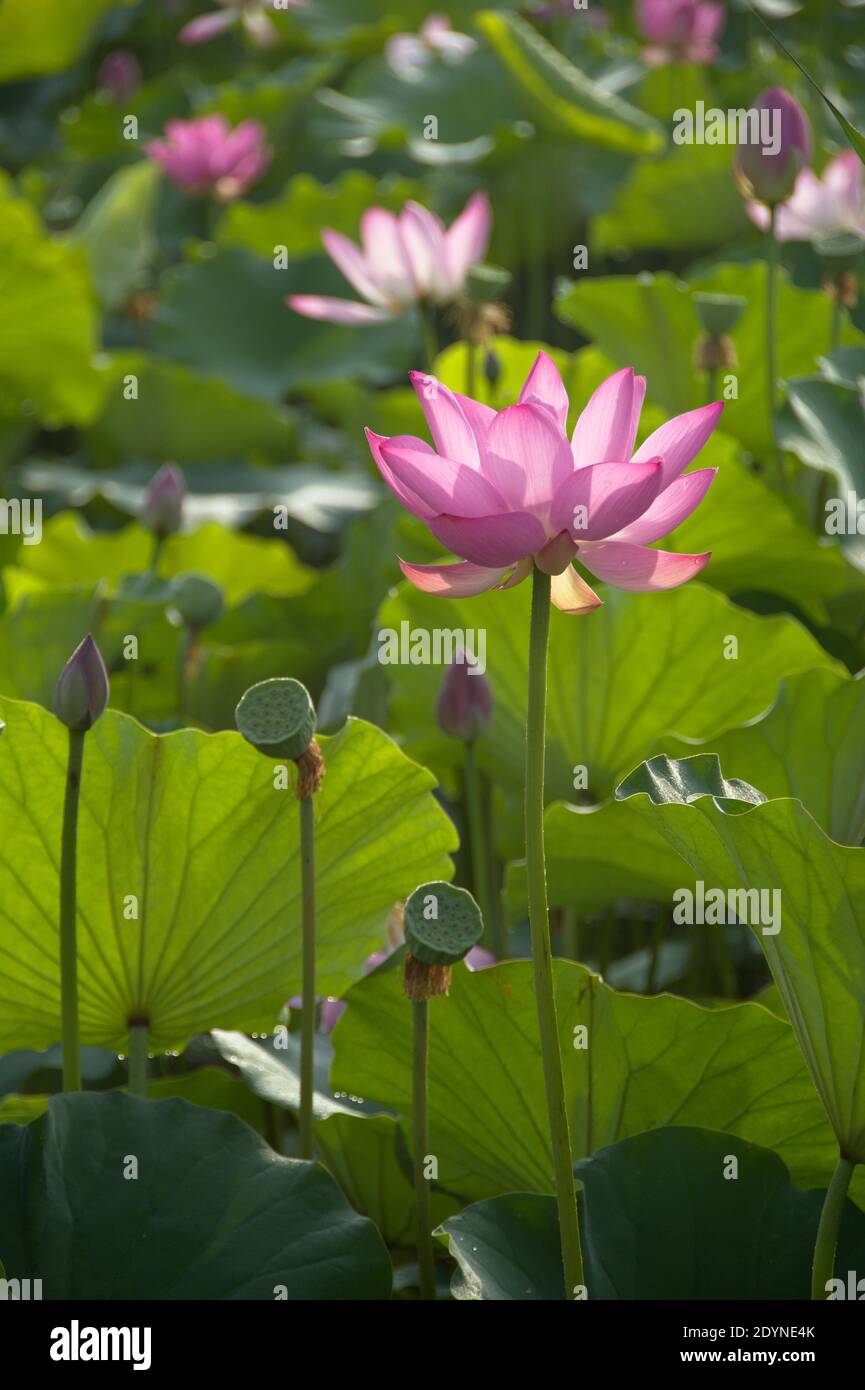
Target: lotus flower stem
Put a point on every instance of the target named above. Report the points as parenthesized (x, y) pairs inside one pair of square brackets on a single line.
[(430, 336), (477, 840), (540, 933), (835, 331), (138, 1058), (771, 338), (68, 914), (420, 1146), (711, 385), (827, 1232), (156, 556), (307, 1026)]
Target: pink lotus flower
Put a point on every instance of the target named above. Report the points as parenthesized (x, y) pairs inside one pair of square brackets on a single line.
[(400, 261), (681, 31), (119, 75), (507, 490), (251, 14), (820, 207), (409, 54), (206, 157)]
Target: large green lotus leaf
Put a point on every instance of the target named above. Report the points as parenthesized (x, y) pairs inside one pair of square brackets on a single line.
[(274, 1075), (40, 36), (597, 856), (687, 199), (662, 1219), (507, 1248), (367, 1155), (641, 666), (664, 1216), (50, 321), (790, 561), (650, 1061), (666, 780), (212, 1212), (117, 230), (817, 957), (648, 322), (181, 416), (563, 100), (295, 219), (192, 826), (70, 553), (823, 426), (226, 316)]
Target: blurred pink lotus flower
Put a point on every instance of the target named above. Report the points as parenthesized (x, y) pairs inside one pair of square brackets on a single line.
[(119, 75), (251, 14), (681, 31), (409, 54), (505, 490), (205, 157), (400, 261), (820, 207), (768, 174)]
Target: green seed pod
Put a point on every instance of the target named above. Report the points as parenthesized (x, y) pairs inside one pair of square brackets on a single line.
[(277, 717), (198, 600), (442, 923), (719, 313)]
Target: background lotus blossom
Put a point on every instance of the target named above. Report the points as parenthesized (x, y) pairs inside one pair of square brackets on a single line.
[(409, 54), (683, 31), (503, 490), (251, 14), (206, 157), (120, 75), (401, 260), (820, 206), (768, 177)]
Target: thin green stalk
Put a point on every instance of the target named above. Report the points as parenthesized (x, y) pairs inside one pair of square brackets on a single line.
[(536, 873), (711, 385), (420, 1144), (68, 914), (771, 339), (480, 865), (827, 1232), (156, 556), (138, 1059), (307, 1024), (430, 337), (835, 331)]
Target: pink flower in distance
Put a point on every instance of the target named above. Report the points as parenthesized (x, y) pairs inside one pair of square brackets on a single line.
[(507, 489), (820, 207), (409, 54), (206, 157), (680, 30), (401, 260), (251, 14)]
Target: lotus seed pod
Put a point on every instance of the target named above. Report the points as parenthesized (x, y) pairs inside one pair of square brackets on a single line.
[(442, 924), (719, 313), (198, 600), (277, 717), (82, 690)]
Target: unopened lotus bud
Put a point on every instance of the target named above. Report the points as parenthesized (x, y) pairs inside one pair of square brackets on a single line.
[(719, 313), (82, 690), (465, 702), (492, 367), (442, 924), (277, 717), (766, 174), (162, 512), (198, 600), (120, 75)]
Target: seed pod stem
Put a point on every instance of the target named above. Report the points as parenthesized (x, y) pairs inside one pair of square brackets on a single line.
[(480, 863), (307, 1027), (420, 1145), (68, 915)]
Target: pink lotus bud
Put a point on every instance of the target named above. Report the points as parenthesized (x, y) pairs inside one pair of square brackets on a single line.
[(120, 75), (82, 690), (768, 165), (465, 703), (162, 512)]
